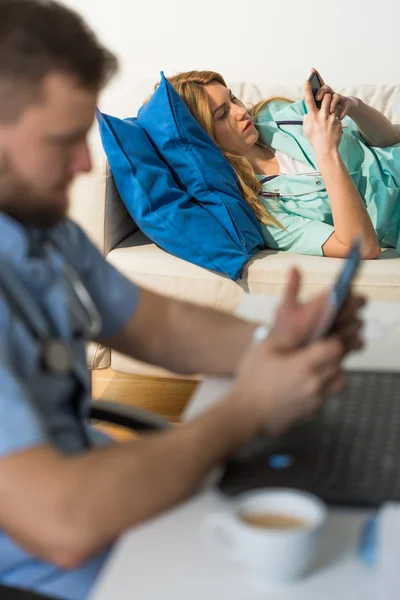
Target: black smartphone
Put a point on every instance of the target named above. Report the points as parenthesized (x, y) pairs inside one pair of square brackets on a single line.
[(341, 289), (316, 85)]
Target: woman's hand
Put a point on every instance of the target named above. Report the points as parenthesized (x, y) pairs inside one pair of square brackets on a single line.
[(375, 128), (321, 127), (339, 105)]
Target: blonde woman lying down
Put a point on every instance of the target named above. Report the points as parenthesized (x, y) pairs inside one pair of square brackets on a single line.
[(313, 180)]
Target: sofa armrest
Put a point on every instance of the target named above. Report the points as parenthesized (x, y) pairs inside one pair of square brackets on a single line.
[(96, 205)]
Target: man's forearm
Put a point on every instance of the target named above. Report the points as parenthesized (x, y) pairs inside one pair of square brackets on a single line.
[(182, 337), (375, 128), (78, 506), (204, 340), (350, 216)]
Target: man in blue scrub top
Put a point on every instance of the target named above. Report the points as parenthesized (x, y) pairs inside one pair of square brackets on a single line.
[(65, 495)]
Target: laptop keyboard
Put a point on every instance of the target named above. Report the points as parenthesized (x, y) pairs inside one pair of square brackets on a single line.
[(360, 443), (349, 454)]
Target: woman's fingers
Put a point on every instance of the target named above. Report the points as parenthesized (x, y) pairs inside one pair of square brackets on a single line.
[(326, 103), (339, 105), (314, 70), (345, 110), (336, 104), (323, 91), (309, 98)]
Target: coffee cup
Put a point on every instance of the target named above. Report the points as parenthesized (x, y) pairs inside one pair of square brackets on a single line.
[(272, 532)]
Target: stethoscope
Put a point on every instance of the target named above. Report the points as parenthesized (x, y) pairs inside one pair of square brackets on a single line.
[(272, 177), (57, 355)]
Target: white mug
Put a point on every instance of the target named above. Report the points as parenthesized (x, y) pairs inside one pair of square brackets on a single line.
[(280, 555)]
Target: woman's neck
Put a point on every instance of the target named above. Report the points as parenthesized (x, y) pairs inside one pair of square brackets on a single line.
[(263, 160)]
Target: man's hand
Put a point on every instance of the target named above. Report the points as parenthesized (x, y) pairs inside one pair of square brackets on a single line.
[(297, 322), (275, 388), (286, 377)]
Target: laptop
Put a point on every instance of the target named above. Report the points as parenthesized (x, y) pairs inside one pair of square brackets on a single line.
[(349, 454)]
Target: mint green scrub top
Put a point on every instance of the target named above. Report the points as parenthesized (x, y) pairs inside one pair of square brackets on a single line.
[(301, 203)]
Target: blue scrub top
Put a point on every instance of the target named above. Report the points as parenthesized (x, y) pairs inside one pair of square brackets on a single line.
[(36, 408)]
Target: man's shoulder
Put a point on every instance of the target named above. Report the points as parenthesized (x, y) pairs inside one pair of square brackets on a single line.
[(72, 240), (76, 247), (69, 231)]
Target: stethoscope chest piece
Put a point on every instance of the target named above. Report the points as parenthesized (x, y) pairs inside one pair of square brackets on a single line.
[(57, 357)]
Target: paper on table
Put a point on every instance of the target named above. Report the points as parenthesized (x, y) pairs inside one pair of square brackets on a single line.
[(388, 554), (378, 326), (380, 317)]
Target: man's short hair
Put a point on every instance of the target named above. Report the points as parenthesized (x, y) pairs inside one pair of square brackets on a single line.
[(41, 36)]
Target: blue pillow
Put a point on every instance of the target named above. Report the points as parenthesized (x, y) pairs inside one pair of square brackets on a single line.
[(197, 162), (197, 231)]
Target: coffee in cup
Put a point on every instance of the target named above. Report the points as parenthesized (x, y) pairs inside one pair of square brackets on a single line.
[(273, 532), (271, 520)]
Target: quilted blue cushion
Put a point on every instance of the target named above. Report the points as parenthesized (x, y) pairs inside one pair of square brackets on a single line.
[(197, 162), (196, 231), (178, 186)]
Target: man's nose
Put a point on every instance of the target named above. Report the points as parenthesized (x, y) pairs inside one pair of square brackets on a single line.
[(81, 162)]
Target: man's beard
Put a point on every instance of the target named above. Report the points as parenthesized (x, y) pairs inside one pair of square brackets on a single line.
[(20, 201)]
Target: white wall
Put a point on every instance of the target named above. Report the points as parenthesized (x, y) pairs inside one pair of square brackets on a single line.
[(349, 41)]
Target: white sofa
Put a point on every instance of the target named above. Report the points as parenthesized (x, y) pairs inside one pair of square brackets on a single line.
[(96, 206)]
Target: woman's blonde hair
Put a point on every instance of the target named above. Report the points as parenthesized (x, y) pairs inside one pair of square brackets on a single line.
[(190, 86)]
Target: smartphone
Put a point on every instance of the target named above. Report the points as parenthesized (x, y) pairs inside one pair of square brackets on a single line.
[(340, 291), (316, 85)]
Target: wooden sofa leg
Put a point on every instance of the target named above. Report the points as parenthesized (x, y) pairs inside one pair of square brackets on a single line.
[(166, 397)]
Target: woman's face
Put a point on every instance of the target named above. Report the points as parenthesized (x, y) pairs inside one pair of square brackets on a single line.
[(234, 131)]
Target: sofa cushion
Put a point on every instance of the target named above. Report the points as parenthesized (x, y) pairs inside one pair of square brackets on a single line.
[(377, 279), (198, 230), (145, 263)]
